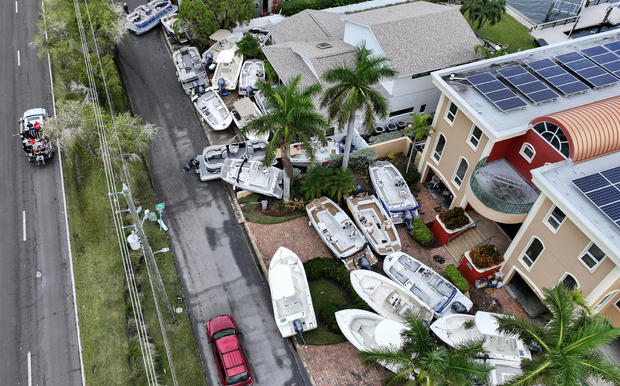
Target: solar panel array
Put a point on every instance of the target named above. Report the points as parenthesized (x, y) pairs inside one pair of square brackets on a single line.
[(528, 84), (603, 189), (558, 77), (586, 69), (605, 58), (496, 92)]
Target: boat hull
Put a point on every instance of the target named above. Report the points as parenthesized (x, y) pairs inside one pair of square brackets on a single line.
[(375, 224)]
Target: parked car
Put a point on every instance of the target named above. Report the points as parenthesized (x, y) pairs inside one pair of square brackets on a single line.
[(227, 350)]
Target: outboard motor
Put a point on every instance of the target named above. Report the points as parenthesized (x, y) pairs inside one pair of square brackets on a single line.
[(299, 329), (221, 83), (208, 60), (363, 263), (249, 91), (458, 307), (408, 219), (198, 88)]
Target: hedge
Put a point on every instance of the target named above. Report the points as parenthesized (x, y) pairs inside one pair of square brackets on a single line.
[(421, 234), (456, 277), (359, 160)]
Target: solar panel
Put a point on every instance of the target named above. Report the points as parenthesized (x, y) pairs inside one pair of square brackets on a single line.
[(528, 84), (603, 190), (496, 92), (615, 47), (613, 175), (586, 69), (591, 182), (557, 76), (605, 58)]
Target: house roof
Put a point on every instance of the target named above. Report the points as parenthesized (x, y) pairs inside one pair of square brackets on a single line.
[(288, 64), (420, 36), (309, 24), (592, 129)]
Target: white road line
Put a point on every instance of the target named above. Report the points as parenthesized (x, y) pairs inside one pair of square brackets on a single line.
[(19, 63), (24, 223), (29, 370), (16, 8)]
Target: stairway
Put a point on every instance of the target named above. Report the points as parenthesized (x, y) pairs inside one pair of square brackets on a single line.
[(464, 243)]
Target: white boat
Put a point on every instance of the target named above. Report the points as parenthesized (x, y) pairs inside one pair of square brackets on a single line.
[(213, 110), (190, 71), (392, 190), (253, 176), (299, 157), (261, 34), (225, 41), (339, 233), (245, 111), (502, 372), (261, 102), (167, 22), (436, 291), (252, 71), (368, 331), (290, 294), (146, 16), (388, 298), (228, 68), (458, 328), (374, 223), (212, 159)]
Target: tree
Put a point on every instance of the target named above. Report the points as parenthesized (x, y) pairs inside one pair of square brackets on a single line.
[(485, 53), (249, 47), (353, 92), (200, 19), (569, 343), (341, 183), (293, 117), (231, 13), (420, 359), (482, 11), (315, 182), (419, 126)]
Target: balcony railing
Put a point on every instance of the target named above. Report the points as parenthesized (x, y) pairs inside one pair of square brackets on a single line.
[(493, 202)]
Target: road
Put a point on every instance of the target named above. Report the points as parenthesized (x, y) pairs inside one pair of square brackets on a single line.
[(37, 310), (217, 269)]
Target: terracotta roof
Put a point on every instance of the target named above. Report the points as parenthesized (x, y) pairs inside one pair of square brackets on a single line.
[(592, 130)]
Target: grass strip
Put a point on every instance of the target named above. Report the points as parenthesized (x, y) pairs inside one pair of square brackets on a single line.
[(508, 32)]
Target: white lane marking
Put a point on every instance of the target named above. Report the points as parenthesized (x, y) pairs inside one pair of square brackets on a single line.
[(16, 8), (29, 370), (19, 62), (24, 223)]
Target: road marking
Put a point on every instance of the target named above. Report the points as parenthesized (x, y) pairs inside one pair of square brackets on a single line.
[(16, 9), (19, 63), (24, 223), (29, 370)]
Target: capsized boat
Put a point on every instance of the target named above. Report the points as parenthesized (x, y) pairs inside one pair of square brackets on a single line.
[(290, 294), (190, 71), (392, 190), (436, 291), (146, 16), (458, 328), (339, 233), (300, 158), (252, 71), (374, 223), (245, 111), (212, 159), (228, 69), (213, 110), (253, 176), (387, 297), (225, 41)]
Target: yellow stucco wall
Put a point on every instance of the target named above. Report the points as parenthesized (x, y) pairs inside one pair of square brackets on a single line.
[(611, 311)]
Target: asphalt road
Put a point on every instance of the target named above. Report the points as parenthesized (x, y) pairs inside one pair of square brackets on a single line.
[(218, 271), (36, 311)]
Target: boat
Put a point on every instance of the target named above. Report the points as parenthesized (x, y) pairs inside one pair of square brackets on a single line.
[(252, 71), (458, 328), (290, 294), (228, 69), (212, 159), (388, 298), (339, 233), (392, 190), (261, 34), (224, 41), (146, 16), (190, 71), (167, 22), (299, 157), (245, 111), (502, 372), (261, 102), (213, 110), (426, 284), (374, 223), (253, 176), (368, 331)]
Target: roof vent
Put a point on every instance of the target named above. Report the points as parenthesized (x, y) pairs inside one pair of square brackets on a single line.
[(324, 45)]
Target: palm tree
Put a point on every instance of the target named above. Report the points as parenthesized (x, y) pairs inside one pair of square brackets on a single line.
[(568, 342), (422, 361), (293, 117), (482, 11), (419, 125), (352, 92)]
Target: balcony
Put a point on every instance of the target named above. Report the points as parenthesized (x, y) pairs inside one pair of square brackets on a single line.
[(499, 192)]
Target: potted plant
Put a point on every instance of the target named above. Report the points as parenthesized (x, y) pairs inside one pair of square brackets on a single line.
[(449, 223), (480, 262)]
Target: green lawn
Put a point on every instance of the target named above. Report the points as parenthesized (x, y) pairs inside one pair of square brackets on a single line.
[(324, 292), (509, 32)]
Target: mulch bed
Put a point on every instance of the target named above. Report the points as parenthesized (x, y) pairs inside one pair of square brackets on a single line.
[(483, 301), (275, 210)]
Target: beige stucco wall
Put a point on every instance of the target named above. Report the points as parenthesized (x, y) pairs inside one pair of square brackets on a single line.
[(398, 145), (610, 310)]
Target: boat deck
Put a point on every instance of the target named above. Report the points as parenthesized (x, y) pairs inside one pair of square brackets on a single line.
[(391, 187), (375, 225)]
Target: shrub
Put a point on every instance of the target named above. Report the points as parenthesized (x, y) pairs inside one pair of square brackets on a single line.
[(315, 182), (485, 256), (455, 277), (454, 218), (328, 315), (270, 73), (249, 47), (413, 176), (340, 183), (421, 234), (358, 160), (384, 137), (291, 7), (319, 268)]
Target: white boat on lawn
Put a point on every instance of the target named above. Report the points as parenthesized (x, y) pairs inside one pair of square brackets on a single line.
[(228, 69), (146, 16), (436, 291), (244, 111), (213, 110), (374, 223), (290, 294), (253, 176), (190, 71), (212, 159), (252, 71), (457, 328), (300, 158), (387, 297), (391, 188)]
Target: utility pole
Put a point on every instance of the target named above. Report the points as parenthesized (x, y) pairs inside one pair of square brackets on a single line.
[(148, 253)]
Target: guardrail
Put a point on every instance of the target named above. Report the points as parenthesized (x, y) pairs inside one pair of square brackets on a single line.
[(551, 24)]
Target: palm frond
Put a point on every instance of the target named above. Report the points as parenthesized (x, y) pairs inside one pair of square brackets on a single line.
[(529, 331), (597, 366), (417, 336), (530, 377), (595, 332), (559, 300)]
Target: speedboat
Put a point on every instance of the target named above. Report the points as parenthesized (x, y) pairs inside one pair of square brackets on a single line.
[(212, 159), (339, 234), (392, 190), (290, 294), (167, 22), (261, 34), (252, 71), (228, 68), (261, 102), (146, 16), (502, 372), (374, 223), (213, 110), (224, 41), (388, 298), (244, 112), (190, 71), (300, 158), (253, 176), (436, 291)]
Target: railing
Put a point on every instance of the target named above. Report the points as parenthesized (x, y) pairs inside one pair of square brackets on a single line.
[(493, 202), (457, 234), (590, 3), (551, 24)]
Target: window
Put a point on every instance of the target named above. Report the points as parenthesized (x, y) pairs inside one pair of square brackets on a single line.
[(422, 108), (592, 257), (451, 112), (527, 151), (554, 136), (459, 174), (532, 252), (474, 137), (569, 282), (555, 219), (604, 301), (441, 143), (401, 112), (618, 304)]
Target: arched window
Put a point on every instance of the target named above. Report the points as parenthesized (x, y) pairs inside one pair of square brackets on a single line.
[(604, 301), (459, 173), (554, 136), (441, 143), (530, 255), (569, 281)]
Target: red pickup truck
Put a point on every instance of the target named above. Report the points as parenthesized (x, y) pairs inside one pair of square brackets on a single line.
[(231, 360)]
